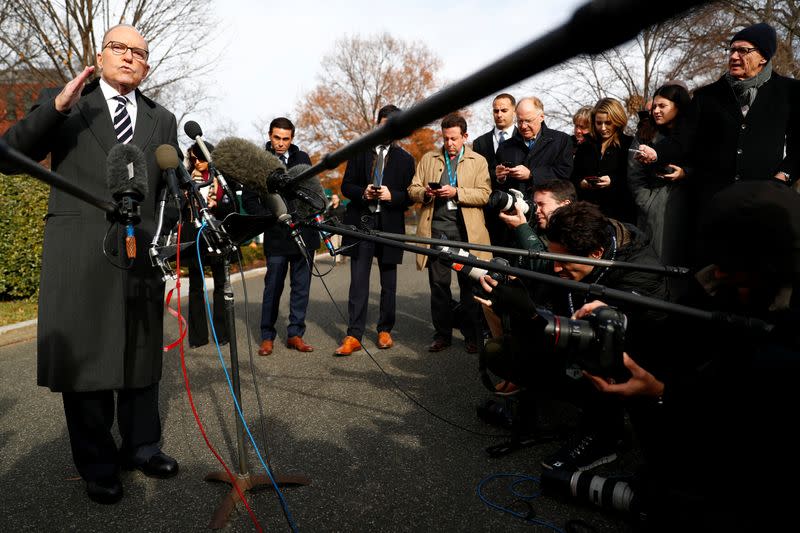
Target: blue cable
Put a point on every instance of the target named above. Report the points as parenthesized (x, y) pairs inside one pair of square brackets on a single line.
[(230, 386), (517, 479)]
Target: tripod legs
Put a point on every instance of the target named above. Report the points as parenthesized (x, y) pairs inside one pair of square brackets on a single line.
[(244, 479), (246, 482)]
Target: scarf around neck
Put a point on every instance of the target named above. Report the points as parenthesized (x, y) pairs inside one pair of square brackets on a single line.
[(746, 90)]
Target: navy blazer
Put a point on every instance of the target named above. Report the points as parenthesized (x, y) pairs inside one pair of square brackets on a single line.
[(397, 174), (484, 145)]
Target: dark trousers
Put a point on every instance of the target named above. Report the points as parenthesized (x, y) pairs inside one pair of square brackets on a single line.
[(300, 283), (359, 292), (439, 277), (90, 416), (198, 326)]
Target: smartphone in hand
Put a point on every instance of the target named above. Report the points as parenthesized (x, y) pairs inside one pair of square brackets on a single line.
[(435, 185)]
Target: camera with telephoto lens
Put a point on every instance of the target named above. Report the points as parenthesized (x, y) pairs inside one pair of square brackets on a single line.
[(542, 344), (501, 201), (475, 273)]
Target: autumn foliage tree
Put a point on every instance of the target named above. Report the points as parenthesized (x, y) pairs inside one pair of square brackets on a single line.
[(358, 77)]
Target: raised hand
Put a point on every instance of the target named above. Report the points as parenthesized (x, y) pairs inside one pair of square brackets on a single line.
[(71, 92)]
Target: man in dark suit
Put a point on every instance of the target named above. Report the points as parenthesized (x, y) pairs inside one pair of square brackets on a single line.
[(535, 152), (486, 145), (100, 327), (282, 253), (376, 182)]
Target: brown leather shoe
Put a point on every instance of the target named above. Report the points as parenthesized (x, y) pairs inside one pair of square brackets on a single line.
[(296, 343), (349, 345), (266, 347), (385, 340), (438, 345)]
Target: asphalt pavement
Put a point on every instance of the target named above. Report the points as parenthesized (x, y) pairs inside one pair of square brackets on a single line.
[(389, 439)]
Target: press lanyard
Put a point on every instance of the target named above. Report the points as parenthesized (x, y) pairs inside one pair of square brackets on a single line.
[(452, 174)]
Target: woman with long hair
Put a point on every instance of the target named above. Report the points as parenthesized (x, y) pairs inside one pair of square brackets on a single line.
[(601, 162), (657, 174)]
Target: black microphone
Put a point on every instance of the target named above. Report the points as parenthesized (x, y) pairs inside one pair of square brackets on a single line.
[(195, 132), (294, 232), (167, 159), (308, 190), (275, 204), (126, 177)]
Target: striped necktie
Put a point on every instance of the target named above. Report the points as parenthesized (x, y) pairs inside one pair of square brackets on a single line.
[(501, 137), (122, 121)]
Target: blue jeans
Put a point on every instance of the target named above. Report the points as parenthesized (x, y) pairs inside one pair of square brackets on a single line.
[(300, 284)]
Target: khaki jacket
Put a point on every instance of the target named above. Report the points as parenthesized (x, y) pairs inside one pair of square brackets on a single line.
[(474, 187)]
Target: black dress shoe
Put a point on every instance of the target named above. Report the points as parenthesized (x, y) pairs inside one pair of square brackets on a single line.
[(105, 491), (438, 345), (160, 465)]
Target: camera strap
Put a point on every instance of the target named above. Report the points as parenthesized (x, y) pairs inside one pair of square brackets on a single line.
[(600, 275)]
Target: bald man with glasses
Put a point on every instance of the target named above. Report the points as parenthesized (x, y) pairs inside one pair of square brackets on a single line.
[(100, 328)]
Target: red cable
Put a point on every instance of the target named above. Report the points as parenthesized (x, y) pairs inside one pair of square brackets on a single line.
[(181, 335)]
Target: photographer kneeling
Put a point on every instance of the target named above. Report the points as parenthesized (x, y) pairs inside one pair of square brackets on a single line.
[(532, 358), (723, 393)]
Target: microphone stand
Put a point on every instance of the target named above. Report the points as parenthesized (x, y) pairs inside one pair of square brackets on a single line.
[(245, 480)]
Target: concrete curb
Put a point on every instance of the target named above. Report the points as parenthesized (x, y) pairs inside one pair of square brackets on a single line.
[(25, 331)]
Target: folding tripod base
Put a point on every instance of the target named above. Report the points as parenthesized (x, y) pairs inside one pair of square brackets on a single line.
[(246, 482)]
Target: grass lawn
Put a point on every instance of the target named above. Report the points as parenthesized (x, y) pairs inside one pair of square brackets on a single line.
[(15, 311)]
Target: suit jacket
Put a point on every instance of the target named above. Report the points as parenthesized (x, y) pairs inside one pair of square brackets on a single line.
[(550, 157), (473, 186), (397, 173), (484, 145), (100, 327)]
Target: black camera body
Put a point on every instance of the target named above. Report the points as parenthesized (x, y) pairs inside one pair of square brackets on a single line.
[(548, 344), (594, 344)]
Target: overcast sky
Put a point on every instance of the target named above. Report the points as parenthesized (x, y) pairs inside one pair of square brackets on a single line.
[(272, 52)]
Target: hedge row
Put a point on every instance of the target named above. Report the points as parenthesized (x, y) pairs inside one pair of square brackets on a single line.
[(23, 204)]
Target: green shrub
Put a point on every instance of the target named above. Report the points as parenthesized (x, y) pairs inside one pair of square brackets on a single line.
[(23, 204)]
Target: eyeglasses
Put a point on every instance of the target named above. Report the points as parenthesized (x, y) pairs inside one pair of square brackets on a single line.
[(118, 49), (527, 122), (741, 50)]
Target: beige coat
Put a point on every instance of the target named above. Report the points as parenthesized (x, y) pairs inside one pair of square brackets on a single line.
[(474, 188)]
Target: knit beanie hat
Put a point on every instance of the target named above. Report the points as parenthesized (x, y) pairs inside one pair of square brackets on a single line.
[(763, 37)]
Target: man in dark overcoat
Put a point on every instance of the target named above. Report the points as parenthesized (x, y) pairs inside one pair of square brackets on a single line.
[(376, 182), (100, 326), (746, 121)]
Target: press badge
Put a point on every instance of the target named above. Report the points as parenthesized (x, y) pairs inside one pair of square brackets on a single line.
[(451, 205)]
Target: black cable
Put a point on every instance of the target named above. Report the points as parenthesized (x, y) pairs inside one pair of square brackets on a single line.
[(401, 389), (105, 251)]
